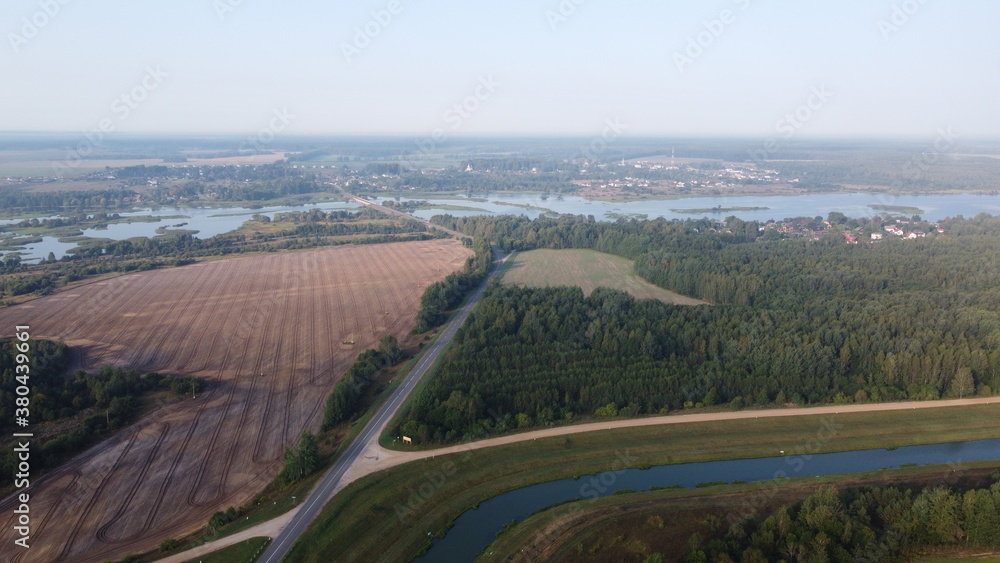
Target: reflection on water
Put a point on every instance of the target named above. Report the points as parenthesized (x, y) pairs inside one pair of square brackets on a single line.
[(934, 207), (208, 222), (477, 528)]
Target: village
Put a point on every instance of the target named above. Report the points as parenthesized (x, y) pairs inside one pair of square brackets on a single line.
[(853, 231)]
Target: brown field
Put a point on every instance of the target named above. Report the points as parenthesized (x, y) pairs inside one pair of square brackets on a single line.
[(272, 333)]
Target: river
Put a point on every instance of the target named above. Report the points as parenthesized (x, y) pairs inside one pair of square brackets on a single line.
[(933, 207), (477, 528), (209, 222)]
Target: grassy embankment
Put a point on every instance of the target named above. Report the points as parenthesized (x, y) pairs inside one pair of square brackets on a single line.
[(718, 209), (450, 207), (242, 552), (395, 513), (636, 525), (906, 209)]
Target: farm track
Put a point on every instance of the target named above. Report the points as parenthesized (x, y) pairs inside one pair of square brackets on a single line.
[(52, 511), (97, 496), (113, 289), (186, 352), (141, 358), (244, 280), (227, 321), (366, 298), (257, 368), (178, 458), (289, 382), (274, 384), (234, 387), (102, 532)]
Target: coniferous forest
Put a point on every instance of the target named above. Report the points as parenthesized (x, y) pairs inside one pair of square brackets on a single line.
[(790, 321)]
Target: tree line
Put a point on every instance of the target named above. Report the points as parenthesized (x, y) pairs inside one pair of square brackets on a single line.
[(792, 321), (860, 524), (310, 230), (109, 400), (444, 295), (19, 201), (345, 401)]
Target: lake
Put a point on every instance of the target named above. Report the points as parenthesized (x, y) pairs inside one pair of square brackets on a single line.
[(208, 221), (213, 221)]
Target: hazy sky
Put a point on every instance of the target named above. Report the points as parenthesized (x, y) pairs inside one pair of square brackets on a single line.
[(540, 67)]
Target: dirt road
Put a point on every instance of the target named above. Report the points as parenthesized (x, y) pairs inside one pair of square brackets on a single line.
[(375, 458)]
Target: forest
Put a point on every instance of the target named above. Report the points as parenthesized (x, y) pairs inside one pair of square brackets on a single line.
[(861, 524), (444, 295), (791, 321), (18, 201), (216, 183), (344, 402), (109, 400)]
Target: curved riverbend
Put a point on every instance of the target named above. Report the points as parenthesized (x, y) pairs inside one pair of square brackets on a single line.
[(477, 528)]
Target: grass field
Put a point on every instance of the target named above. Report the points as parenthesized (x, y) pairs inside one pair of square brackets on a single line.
[(383, 517), (587, 269), (271, 332)]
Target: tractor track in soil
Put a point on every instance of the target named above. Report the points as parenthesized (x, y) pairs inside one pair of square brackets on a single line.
[(212, 321)]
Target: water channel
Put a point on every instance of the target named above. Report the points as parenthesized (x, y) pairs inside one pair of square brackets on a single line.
[(477, 528)]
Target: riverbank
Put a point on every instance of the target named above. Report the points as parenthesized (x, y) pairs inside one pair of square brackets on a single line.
[(396, 513), (638, 524)]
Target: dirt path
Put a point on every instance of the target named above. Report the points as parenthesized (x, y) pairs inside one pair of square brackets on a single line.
[(269, 529), (375, 458)]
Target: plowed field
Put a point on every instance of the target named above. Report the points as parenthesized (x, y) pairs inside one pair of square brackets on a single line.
[(273, 334)]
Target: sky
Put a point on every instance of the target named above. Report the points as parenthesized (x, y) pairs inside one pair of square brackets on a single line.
[(425, 68)]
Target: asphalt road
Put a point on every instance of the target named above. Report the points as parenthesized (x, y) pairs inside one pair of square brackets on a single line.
[(397, 213), (312, 505)]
